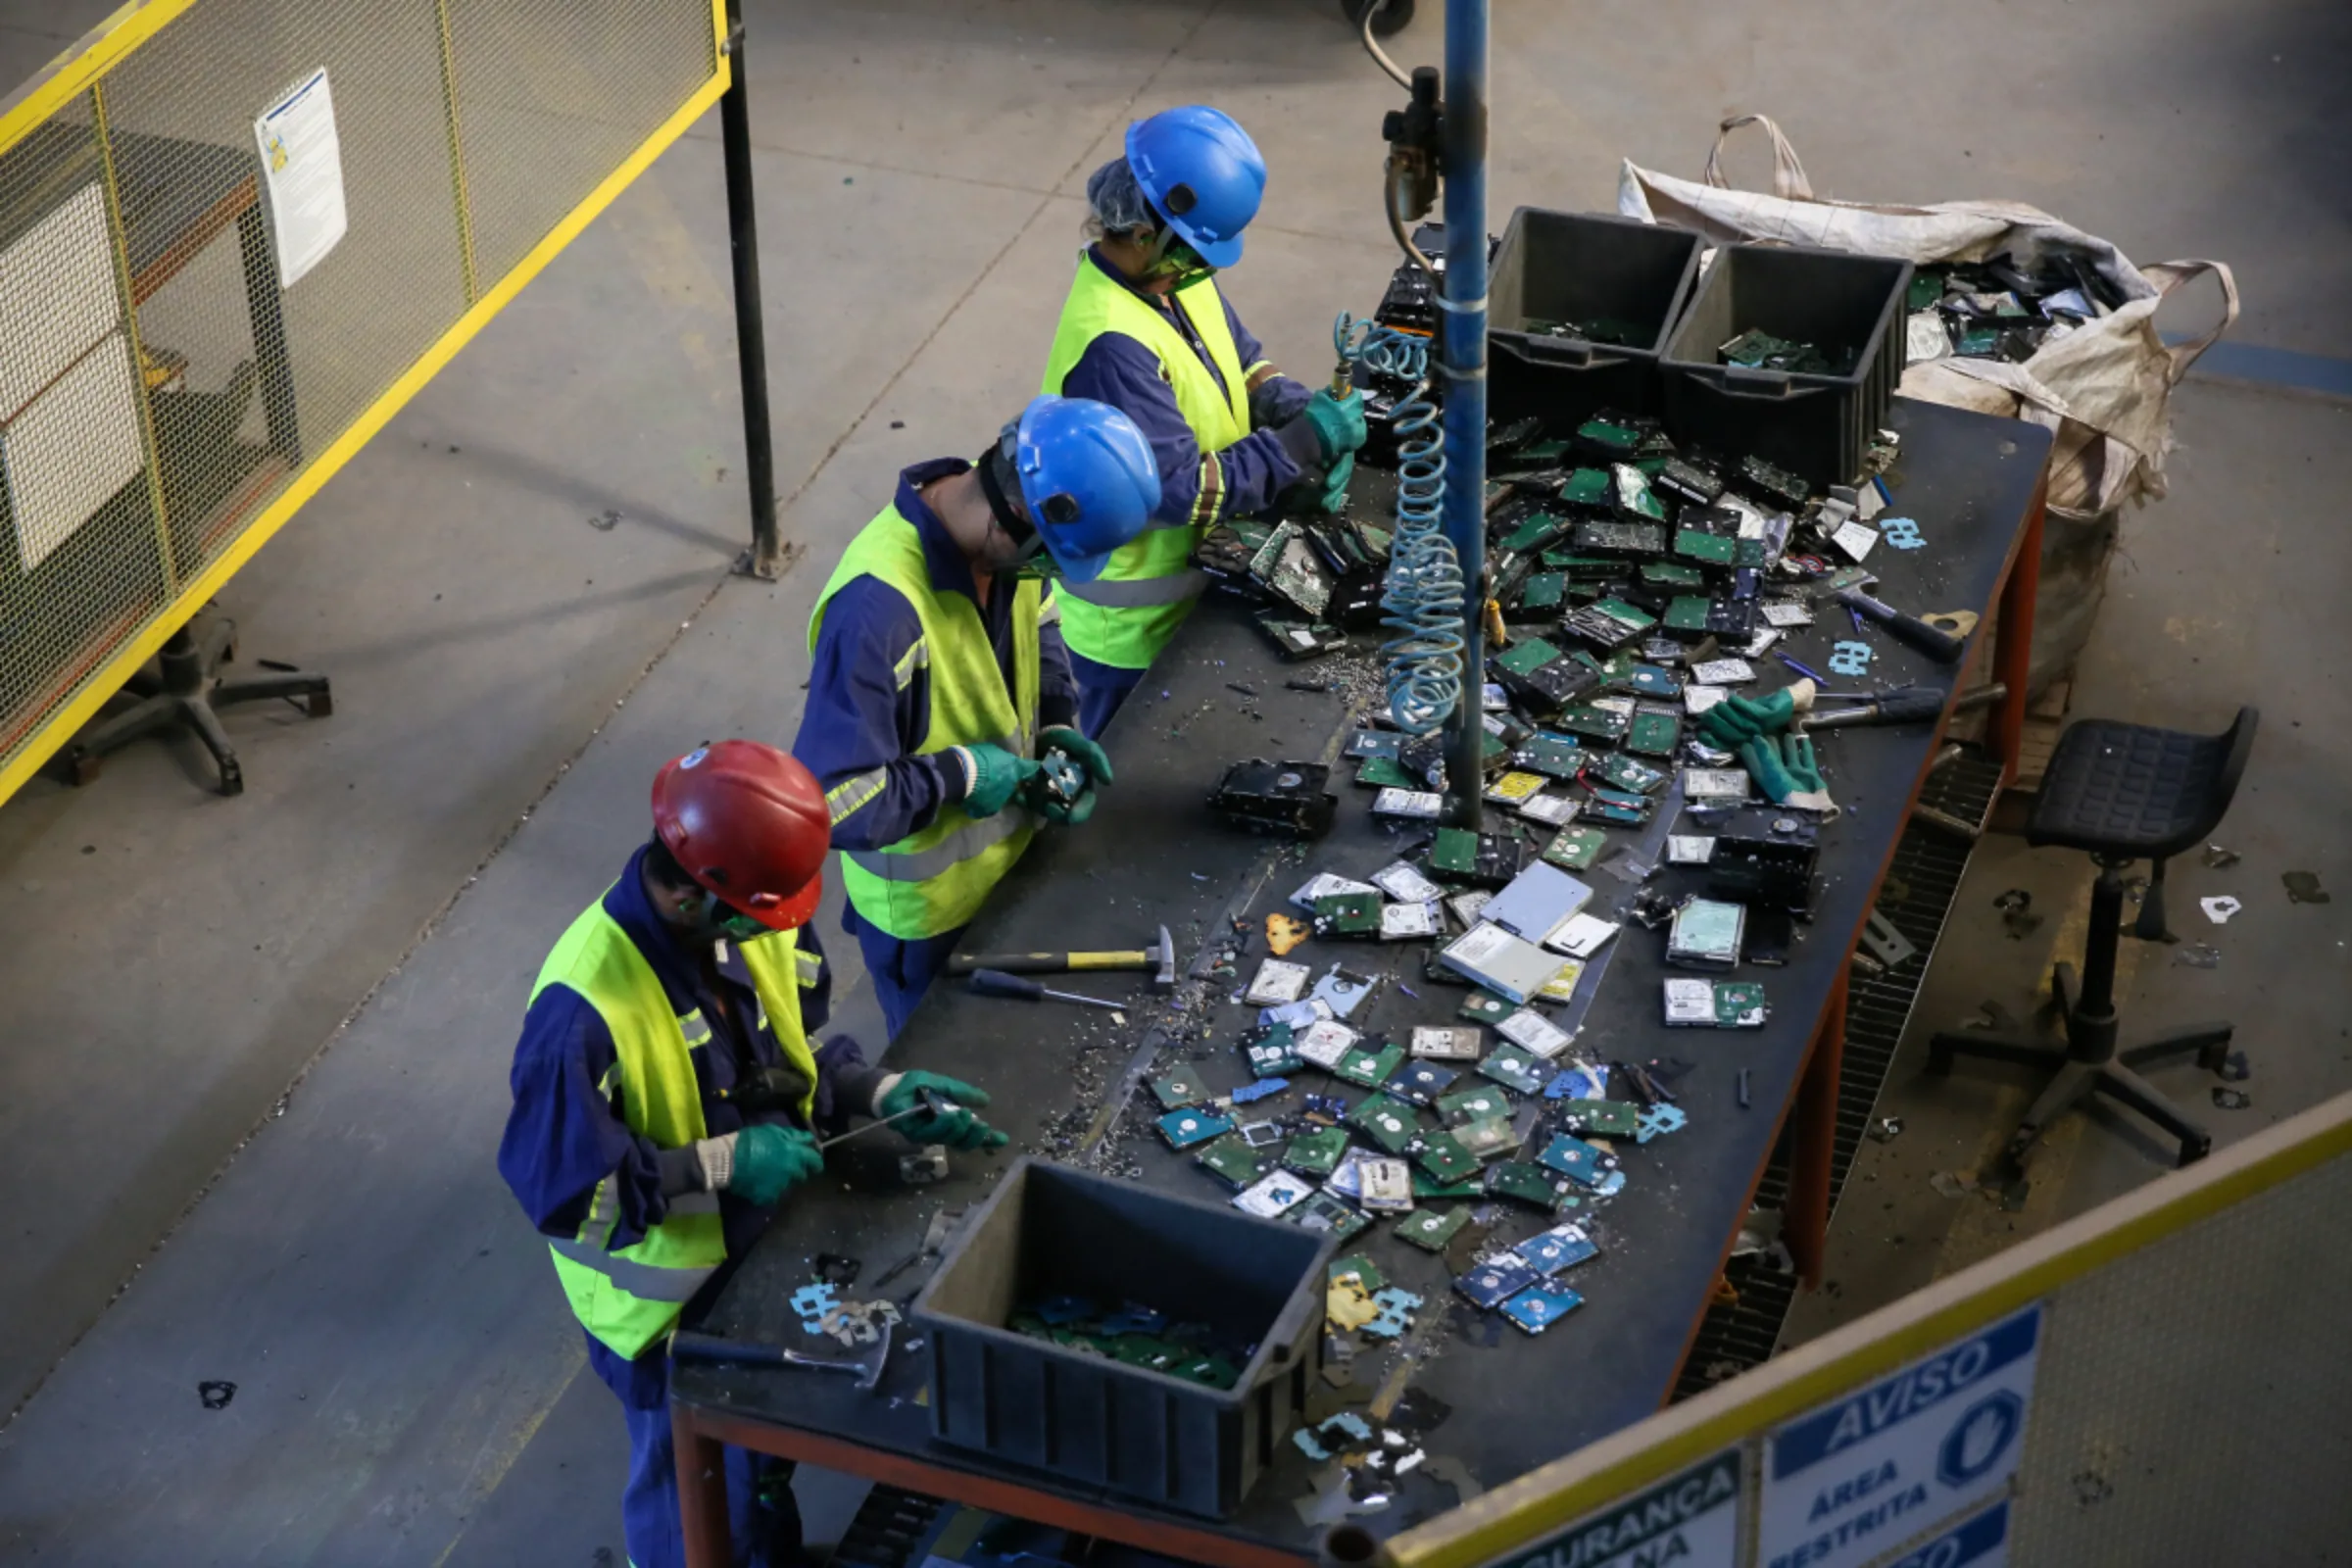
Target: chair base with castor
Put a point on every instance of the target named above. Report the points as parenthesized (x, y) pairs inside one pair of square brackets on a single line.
[(2123, 791), (183, 688)]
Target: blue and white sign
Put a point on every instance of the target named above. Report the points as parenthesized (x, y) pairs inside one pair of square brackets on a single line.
[(1690, 1521), (1979, 1542), (1847, 1482)]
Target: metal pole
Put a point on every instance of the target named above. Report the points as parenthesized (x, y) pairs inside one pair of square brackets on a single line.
[(1462, 362), (765, 557)]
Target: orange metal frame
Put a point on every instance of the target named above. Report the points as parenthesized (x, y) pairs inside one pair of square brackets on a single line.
[(700, 1435)]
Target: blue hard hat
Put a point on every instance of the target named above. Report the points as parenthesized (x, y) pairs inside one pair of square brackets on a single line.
[(1087, 478), (1203, 173)]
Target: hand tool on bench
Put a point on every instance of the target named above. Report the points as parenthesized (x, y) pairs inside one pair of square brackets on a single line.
[(1160, 959), (997, 983), (1941, 635), (1901, 705), (868, 1368)]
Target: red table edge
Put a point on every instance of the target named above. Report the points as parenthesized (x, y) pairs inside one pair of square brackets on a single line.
[(698, 1434)]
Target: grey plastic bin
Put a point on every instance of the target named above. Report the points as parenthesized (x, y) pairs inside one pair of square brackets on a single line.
[(1051, 1230)]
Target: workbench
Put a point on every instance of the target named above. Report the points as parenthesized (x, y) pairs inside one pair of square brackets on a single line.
[(1063, 1077)]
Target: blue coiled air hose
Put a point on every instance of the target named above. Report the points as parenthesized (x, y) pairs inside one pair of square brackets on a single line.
[(1425, 593)]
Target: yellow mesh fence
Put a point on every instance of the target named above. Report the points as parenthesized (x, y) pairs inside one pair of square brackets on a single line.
[(235, 236)]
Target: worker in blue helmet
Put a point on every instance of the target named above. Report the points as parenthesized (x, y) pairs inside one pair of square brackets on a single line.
[(1146, 330), (941, 688)]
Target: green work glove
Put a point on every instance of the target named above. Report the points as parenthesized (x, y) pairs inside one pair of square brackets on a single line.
[(769, 1158), (956, 1126), (1338, 422), (1082, 753), (1335, 484), (1787, 772), (997, 777), (1074, 745), (1735, 720)]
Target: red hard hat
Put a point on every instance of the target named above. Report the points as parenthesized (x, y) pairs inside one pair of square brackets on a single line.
[(749, 824)]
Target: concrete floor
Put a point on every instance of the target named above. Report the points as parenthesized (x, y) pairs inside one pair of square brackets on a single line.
[(364, 922)]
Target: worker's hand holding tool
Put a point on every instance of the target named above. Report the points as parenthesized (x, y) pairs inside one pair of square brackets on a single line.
[(1735, 720), (1339, 433), (936, 1109), (770, 1159), (996, 777), (1083, 754)]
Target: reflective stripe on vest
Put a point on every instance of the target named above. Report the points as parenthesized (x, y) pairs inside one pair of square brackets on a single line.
[(631, 1297), (1102, 623), (936, 878)]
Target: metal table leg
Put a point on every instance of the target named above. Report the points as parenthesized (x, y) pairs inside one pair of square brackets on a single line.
[(1816, 1143)]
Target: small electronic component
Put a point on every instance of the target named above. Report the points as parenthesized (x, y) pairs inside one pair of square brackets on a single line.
[(1406, 885), (1620, 771), (1583, 936), (1466, 908), (1609, 1118), (1515, 1067), (1714, 785), (1469, 1105), (1284, 799), (1421, 1082), (1525, 1182), (1324, 1043), (1513, 787), (1454, 852), (1484, 1006), (1540, 1307), (1733, 623), (1414, 805), (1444, 1158), (1577, 1159), (1551, 757), (1534, 1033), (1185, 1128), (1630, 489), (1555, 1250), (1552, 810), (1429, 1229), (1322, 885), (1544, 590), (1178, 1088), (1765, 857), (1709, 549), (1510, 965), (1276, 983), (1403, 923), (1539, 901), (1373, 743), (1561, 986), (1576, 848), (1369, 1064), (1271, 1197), (1690, 1004), (1299, 639), (1387, 1122), (1724, 672), (1706, 934), (1740, 1004), (1317, 1154), (1289, 568), (1384, 773), (1771, 485), (1234, 1161), (1688, 848), (1448, 1043), (1388, 1186), (1534, 669), (1629, 811), (1654, 680), (1593, 720), (1697, 699), (1493, 1283), (1786, 614), (1349, 914), (1655, 734), (1324, 1212)]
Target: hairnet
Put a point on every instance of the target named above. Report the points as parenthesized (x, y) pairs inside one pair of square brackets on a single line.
[(1118, 199)]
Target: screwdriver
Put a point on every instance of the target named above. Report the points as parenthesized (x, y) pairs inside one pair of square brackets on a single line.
[(1905, 704), (997, 983)]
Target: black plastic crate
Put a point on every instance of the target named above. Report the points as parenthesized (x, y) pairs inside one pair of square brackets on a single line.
[(1050, 1230), (1817, 426), (1582, 267)]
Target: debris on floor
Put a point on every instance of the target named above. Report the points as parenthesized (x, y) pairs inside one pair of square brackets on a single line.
[(2017, 913), (2199, 955), (2232, 1099), (2303, 887), (2221, 859), (2220, 909), (216, 1393)]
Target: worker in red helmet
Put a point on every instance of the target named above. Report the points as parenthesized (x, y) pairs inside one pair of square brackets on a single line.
[(668, 1094)]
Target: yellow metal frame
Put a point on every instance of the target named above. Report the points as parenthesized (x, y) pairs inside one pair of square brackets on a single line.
[(79, 70), (1513, 1517)]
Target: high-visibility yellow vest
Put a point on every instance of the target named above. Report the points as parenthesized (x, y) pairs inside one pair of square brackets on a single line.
[(630, 1298), (1127, 614), (935, 879)]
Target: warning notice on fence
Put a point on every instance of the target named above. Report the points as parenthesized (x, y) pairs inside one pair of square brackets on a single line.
[(302, 169), (1849, 1481), (1690, 1521)]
